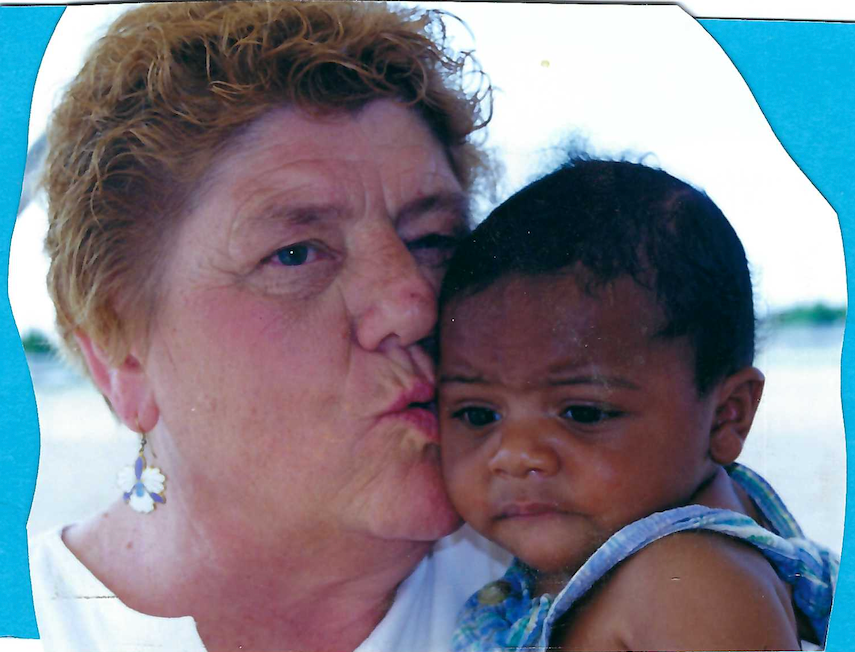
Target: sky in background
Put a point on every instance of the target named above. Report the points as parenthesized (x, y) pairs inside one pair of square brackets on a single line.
[(627, 81)]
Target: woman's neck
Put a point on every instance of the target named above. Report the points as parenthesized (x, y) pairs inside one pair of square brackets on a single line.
[(311, 590)]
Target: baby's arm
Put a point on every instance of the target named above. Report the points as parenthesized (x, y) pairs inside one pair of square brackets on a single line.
[(688, 591)]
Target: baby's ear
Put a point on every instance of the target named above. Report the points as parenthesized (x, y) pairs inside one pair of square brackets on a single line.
[(738, 398)]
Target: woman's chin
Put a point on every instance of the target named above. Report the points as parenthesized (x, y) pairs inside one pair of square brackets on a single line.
[(428, 524), (416, 509)]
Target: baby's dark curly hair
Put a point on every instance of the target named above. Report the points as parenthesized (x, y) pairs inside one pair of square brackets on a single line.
[(601, 220)]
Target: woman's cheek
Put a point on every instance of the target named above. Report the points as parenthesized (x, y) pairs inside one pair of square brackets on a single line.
[(300, 284)]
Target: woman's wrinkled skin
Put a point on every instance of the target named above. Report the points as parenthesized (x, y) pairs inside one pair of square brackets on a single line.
[(276, 380)]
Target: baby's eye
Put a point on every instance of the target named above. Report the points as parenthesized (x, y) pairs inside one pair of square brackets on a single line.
[(588, 414), (477, 417), (296, 254)]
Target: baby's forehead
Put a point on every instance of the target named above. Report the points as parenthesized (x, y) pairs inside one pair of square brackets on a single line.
[(565, 297), (541, 334), (541, 320)]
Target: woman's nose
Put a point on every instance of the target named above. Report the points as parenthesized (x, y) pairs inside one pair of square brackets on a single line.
[(396, 301), (524, 451)]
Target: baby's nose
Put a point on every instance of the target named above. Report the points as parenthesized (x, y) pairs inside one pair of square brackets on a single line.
[(523, 452)]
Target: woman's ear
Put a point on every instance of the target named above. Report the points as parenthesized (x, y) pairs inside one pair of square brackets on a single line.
[(125, 386), (738, 398)]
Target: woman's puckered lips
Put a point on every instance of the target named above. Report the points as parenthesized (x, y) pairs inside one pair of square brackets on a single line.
[(416, 406)]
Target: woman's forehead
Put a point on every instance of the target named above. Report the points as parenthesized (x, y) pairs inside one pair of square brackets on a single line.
[(320, 154)]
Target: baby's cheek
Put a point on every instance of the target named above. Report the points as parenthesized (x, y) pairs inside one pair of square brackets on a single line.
[(460, 479), (450, 469)]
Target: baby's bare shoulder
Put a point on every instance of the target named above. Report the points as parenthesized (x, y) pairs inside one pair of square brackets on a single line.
[(688, 591)]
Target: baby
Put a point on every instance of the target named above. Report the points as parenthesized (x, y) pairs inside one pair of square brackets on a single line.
[(596, 387)]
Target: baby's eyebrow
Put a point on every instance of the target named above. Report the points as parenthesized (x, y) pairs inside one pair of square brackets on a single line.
[(604, 381)]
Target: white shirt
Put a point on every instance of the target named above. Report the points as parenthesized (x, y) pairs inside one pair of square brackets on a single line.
[(77, 613)]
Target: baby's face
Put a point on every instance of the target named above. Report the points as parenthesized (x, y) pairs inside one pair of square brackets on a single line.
[(563, 418)]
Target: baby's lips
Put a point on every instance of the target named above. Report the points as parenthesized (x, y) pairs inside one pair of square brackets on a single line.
[(526, 508)]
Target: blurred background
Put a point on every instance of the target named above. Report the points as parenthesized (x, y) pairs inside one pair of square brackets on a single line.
[(635, 81)]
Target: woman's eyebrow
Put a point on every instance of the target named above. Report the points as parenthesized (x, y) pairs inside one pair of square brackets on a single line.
[(294, 214), (448, 201), (274, 217), (460, 378)]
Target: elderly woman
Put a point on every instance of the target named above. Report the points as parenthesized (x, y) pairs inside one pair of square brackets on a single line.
[(251, 208)]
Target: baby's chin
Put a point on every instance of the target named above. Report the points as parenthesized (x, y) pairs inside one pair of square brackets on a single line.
[(555, 557), (564, 562)]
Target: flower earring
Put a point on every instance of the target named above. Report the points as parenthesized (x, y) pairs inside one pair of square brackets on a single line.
[(142, 485)]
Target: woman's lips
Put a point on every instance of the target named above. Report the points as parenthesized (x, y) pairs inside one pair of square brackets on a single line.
[(420, 392), (422, 418), (415, 406)]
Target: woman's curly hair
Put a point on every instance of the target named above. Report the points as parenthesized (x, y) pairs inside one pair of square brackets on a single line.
[(166, 91)]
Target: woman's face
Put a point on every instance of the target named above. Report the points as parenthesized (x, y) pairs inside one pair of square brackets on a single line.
[(284, 359)]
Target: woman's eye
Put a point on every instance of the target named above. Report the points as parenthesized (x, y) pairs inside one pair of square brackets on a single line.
[(477, 417), (296, 254), (433, 248), (588, 414)]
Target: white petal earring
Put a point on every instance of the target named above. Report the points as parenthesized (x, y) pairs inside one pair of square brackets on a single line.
[(142, 486)]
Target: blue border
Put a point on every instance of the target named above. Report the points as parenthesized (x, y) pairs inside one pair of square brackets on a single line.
[(803, 77), (24, 34), (801, 74)]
